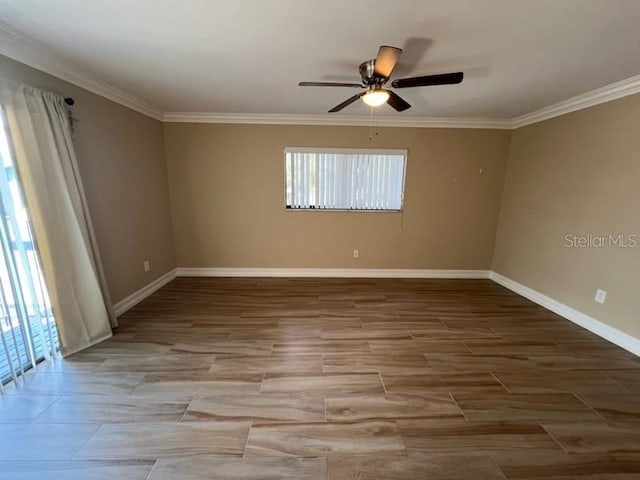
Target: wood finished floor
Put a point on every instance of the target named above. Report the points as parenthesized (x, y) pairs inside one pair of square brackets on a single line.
[(330, 379)]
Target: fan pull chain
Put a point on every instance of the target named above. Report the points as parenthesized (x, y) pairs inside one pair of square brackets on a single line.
[(373, 125)]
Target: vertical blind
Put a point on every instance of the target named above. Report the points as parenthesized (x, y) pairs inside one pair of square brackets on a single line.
[(334, 179), (27, 329)]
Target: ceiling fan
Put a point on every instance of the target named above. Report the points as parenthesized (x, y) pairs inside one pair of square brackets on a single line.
[(375, 74)]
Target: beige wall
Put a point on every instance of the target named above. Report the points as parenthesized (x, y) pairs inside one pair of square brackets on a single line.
[(121, 157), (227, 199), (576, 174)]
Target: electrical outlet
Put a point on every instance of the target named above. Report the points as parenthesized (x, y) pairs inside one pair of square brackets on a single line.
[(146, 266), (356, 253), (601, 296)]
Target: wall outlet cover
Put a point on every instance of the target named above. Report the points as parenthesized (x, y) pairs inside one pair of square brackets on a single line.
[(601, 296)]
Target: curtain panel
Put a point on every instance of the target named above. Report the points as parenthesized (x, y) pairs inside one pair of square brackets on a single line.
[(42, 144)]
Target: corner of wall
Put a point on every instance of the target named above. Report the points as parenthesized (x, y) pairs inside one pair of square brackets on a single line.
[(502, 195), (169, 209)]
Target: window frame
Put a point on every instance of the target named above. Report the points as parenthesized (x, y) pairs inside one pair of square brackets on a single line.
[(337, 150)]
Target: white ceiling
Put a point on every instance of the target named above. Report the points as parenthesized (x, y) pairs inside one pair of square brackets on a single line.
[(247, 56)]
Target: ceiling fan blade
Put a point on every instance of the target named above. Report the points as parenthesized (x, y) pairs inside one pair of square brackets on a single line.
[(386, 60), (330, 84), (397, 102), (346, 103), (428, 80)]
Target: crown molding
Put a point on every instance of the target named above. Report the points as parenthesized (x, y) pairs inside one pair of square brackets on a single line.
[(40, 57), (604, 94), (342, 120), (613, 91)]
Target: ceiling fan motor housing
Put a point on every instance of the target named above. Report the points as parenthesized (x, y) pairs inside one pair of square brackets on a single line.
[(368, 73)]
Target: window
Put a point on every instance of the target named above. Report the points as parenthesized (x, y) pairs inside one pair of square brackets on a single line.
[(340, 179), (27, 330)]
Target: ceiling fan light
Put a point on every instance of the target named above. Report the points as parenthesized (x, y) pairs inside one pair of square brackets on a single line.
[(375, 98)]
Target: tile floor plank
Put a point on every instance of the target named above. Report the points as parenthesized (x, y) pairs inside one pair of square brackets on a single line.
[(24, 408), (121, 441), (616, 406), (260, 408), (563, 466), (77, 470), (496, 439), (414, 466), (630, 379), (76, 383), (373, 363), (158, 363), (573, 381), (43, 442), (276, 363), (327, 383), (326, 439), (437, 382), (596, 437), (517, 406), (256, 468), (112, 409), (185, 385), (351, 408)]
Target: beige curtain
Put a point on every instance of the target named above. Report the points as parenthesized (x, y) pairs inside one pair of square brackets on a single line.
[(41, 138)]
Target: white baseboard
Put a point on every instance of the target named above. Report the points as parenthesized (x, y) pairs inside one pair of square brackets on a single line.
[(330, 272), (594, 325), (139, 295)]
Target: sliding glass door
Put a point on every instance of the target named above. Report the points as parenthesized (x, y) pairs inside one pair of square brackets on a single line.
[(27, 329)]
